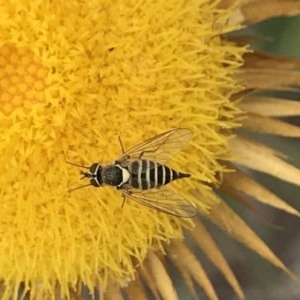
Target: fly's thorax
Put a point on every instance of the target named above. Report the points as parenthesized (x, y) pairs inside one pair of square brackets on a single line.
[(115, 175)]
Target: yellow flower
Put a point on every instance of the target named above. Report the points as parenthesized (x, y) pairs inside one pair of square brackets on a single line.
[(74, 76)]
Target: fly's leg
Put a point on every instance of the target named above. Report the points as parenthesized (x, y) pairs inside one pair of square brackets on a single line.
[(124, 199), (123, 194), (123, 151)]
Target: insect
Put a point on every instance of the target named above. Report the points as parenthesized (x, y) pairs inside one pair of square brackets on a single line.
[(141, 174)]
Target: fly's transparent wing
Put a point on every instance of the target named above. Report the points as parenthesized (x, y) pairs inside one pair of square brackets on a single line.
[(161, 147), (164, 200)]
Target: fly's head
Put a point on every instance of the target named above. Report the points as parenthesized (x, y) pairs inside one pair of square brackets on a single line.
[(94, 175)]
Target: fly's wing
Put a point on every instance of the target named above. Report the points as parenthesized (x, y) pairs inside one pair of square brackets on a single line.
[(164, 200), (161, 147)]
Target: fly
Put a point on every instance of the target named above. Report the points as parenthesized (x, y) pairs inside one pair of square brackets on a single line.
[(141, 174)]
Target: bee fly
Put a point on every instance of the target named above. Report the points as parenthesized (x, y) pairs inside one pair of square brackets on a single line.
[(141, 174)]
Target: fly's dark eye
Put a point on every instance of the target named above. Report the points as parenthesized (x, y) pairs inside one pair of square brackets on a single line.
[(93, 168), (94, 182)]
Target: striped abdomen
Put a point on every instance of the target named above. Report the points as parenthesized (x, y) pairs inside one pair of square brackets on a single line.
[(147, 174)]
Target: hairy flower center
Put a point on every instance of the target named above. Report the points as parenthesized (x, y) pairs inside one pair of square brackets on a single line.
[(75, 75), (22, 79)]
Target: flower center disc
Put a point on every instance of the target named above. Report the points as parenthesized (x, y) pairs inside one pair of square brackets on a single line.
[(22, 79)]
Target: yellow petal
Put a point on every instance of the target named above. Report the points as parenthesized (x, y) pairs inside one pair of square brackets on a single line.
[(226, 219), (240, 182), (263, 124), (160, 277), (261, 158), (113, 292), (210, 248), (255, 10), (266, 60), (188, 279), (267, 79), (135, 290), (268, 106), (147, 278), (75, 293), (183, 257)]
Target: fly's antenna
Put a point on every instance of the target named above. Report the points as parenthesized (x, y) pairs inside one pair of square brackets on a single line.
[(79, 187), (76, 165), (122, 146), (84, 174)]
